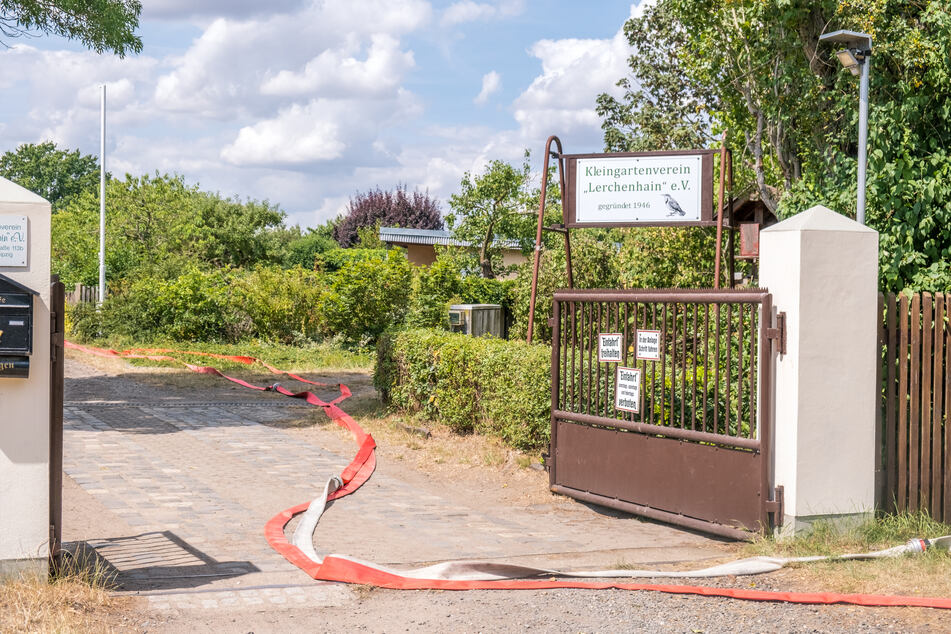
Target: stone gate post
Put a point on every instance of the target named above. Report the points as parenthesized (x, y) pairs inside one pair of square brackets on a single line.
[(822, 270), (24, 381)]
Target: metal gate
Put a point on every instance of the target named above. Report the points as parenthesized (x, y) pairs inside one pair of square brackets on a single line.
[(661, 405)]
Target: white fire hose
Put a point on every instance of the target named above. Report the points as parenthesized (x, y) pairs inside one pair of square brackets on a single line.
[(493, 571)]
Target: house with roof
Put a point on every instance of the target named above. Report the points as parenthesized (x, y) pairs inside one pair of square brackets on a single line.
[(420, 244)]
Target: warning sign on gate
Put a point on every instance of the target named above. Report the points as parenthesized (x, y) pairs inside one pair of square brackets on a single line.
[(648, 345), (609, 347), (627, 390)]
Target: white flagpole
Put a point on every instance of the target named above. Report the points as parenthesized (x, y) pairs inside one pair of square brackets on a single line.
[(102, 197)]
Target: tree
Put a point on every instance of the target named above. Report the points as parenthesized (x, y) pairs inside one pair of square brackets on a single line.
[(486, 211), (56, 175), (99, 24), (755, 68), (158, 225), (396, 208)]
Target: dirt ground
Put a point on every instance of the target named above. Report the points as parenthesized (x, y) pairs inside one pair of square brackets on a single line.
[(504, 490)]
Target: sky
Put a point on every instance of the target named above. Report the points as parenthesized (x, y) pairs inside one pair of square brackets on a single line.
[(306, 102)]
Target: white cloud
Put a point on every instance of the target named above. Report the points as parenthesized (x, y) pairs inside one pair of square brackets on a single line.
[(298, 134), (491, 83), (574, 72), (178, 9), (337, 73)]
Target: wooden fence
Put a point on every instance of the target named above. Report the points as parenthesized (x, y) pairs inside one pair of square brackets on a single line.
[(917, 397), (82, 293)]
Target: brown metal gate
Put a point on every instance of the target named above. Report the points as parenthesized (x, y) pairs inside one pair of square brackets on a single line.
[(697, 368)]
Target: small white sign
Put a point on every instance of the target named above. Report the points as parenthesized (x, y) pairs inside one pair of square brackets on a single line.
[(610, 347), (13, 240), (665, 189), (648, 345), (627, 390)]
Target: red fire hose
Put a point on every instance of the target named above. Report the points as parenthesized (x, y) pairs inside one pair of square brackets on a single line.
[(345, 569)]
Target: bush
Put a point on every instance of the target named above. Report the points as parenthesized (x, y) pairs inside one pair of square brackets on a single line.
[(493, 386), (366, 297), (277, 304), (266, 303)]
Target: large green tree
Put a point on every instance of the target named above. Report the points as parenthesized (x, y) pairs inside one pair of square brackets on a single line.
[(756, 69), (102, 25), (56, 175), (488, 210)]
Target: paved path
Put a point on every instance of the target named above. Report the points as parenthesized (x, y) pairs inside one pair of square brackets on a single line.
[(181, 492)]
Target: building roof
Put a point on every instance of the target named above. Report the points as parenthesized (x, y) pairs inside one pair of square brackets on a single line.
[(398, 235)]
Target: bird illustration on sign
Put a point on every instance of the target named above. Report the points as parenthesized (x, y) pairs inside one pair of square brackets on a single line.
[(673, 206)]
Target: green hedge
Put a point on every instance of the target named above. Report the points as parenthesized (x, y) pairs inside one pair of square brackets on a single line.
[(493, 386)]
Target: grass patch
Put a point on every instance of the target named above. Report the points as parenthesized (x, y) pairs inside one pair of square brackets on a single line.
[(76, 601), (304, 357), (923, 574)]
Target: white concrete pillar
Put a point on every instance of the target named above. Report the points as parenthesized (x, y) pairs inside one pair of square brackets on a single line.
[(25, 402), (822, 270)]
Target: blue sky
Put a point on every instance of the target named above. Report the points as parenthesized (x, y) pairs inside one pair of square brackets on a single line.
[(304, 103)]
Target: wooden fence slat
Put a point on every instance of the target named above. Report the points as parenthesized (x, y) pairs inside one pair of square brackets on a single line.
[(924, 465), (903, 403), (936, 431), (914, 416), (946, 516), (891, 430)]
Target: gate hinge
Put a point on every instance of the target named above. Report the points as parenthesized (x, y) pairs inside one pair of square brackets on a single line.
[(775, 507), (778, 333)]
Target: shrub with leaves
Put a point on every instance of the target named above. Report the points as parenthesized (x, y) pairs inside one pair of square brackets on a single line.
[(363, 299), (501, 388), (397, 208)]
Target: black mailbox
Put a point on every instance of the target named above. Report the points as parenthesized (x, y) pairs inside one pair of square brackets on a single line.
[(16, 328)]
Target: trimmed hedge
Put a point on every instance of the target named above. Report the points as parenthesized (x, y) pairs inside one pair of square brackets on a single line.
[(493, 386)]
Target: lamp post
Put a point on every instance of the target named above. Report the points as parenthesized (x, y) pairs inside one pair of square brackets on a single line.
[(855, 57)]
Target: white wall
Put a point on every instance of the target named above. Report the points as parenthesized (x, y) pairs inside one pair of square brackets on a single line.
[(822, 270), (24, 404)]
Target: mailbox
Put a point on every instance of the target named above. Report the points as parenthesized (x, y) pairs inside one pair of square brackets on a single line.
[(16, 328)]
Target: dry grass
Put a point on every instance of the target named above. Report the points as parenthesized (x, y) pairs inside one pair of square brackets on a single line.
[(923, 574), (77, 601)]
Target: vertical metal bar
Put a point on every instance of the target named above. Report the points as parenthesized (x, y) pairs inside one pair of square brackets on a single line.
[(903, 374), (739, 373), (653, 365), (914, 485), (936, 418), (553, 446), (717, 257), (716, 372), (693, 401), (754, 368), (102, 200), (706, 360), (597, 367), (565, 345), (683, 368), (574, 351), (926, 362), (673, 362), (663, 366), (588, 336), (765, 434), (538, 231), (891, 357), (729, 368)]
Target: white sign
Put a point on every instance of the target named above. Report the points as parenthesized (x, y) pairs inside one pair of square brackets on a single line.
[(648, 345), (13, 240), (627, 390), (610, 346), (663, 189)]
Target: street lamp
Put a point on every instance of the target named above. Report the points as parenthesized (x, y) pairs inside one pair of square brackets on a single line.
[(858, 48)]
